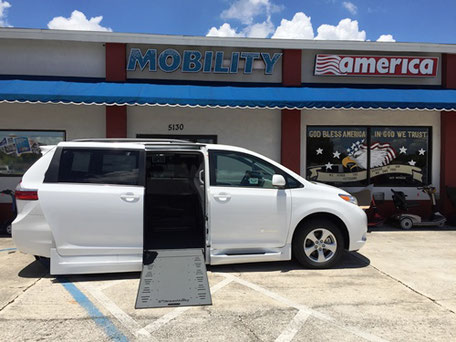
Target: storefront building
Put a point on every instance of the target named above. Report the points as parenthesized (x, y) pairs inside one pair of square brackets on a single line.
[(350, 114)]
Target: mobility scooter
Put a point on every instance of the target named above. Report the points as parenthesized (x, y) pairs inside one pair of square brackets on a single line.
[(407, 220)]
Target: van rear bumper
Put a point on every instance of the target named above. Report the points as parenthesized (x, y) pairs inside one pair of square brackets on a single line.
[(32, 235)]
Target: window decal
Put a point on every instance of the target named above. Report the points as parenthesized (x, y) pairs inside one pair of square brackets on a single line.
[(411, 163), (398, 156), (336, 155), (20, 149)]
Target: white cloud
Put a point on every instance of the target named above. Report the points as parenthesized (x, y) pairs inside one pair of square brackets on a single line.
[(247, 10), (351, 7), (386, 38), (300, 27), (347, 29), (223, 31), (78, 21), (4, 5), (259, 30)]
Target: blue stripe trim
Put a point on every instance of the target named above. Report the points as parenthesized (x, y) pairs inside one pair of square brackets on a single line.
[(7, 249), (100, 319)]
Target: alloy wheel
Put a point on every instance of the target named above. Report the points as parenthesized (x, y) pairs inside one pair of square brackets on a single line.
[(320, 245)]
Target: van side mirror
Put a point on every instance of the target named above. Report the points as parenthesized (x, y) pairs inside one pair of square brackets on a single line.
[(278, 181)]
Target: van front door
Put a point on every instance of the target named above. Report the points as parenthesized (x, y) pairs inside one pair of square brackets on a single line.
[(247, 213), (93, 201)]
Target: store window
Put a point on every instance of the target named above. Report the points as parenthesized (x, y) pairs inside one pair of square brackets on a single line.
[(398, 156), (337, 155), (19, 149)]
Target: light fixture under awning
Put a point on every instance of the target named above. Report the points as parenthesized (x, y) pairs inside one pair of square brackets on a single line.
[(105, 93)]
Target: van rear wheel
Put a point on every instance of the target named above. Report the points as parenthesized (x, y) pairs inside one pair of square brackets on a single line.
[(318, 244)]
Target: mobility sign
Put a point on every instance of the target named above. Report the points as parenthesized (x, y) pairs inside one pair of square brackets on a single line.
[(194, 61), (393, 66)]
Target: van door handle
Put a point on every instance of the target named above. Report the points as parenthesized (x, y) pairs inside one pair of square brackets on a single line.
[(129, 197), (222, 197)]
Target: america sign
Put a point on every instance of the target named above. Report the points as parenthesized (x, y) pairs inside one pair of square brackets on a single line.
[(396, 66)]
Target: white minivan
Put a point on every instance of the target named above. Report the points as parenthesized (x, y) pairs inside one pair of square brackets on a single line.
[(94, 206)]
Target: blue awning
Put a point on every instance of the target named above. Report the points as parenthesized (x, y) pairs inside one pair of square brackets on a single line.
[(224, 97)]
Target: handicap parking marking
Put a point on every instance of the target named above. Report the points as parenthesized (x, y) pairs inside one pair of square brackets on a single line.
[(125, 319), (154, 326), (94, 313), (141, 333), (300, 318), (290, 331), (293, 327), (7, 249)]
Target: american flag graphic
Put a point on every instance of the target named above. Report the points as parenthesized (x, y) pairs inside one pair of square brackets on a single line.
[(381, 154), (328, 65)]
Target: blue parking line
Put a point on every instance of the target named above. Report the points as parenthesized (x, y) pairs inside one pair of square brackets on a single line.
[(7, 249), (100, 319)]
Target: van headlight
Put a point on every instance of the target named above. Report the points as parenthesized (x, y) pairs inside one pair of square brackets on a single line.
[(349, 198)]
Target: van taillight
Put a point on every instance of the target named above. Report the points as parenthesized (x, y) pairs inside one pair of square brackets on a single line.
[(26, 195)]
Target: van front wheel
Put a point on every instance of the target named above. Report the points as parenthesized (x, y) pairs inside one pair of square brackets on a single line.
[(318, 244)]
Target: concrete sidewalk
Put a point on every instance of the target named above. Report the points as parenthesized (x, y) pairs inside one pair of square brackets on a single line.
[(401, 286)]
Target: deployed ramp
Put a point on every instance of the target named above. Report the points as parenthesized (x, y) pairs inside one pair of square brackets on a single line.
[(173, 277)]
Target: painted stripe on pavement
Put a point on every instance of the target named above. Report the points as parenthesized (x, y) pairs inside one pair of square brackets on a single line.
[(7, 249), (95, 314), (293, 327)]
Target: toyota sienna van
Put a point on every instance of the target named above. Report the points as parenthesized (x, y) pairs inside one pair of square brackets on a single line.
[(94, 206)]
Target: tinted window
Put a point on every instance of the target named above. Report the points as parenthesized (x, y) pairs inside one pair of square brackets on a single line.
[(243, 170), (99, 166)]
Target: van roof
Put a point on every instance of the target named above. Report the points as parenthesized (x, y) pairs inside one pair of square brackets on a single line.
[(136, 140)]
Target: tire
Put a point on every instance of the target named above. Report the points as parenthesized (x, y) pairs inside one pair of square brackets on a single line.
[(406, 223), (8, 229), (312, 250)]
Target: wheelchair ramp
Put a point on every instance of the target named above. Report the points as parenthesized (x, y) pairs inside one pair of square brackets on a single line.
[(173, 277)]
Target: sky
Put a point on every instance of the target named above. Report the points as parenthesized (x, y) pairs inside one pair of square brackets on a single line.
[(375, 20)]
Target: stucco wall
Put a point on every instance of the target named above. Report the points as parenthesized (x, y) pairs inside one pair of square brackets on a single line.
[(257, 130), (52, 58)]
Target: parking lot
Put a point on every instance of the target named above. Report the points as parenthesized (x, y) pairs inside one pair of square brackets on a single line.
[(400, 287)]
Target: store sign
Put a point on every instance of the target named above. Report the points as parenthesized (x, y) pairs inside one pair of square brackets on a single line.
[(194, 61), (399, 66)]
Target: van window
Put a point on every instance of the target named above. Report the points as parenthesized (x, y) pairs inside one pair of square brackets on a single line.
[(243, 170), (99, 166)]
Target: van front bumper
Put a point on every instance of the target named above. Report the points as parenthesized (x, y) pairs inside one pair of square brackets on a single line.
[(357, 229)]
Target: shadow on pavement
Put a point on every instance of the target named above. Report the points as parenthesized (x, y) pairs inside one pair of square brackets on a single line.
[(348, 260), (36, 269), (96, 277), (392, 228), (39, 269)]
